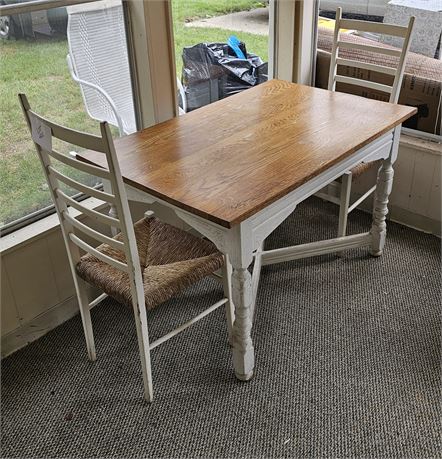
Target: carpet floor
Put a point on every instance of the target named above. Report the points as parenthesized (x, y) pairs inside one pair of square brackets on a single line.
[(347, 365)]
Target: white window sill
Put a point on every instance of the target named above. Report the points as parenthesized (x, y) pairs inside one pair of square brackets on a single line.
[(421, 144), (40, 228)]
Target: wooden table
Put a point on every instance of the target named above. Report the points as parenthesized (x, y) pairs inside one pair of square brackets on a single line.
[(234, 170)]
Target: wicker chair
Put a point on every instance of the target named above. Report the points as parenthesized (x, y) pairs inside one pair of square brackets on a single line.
[(98, 61), (144, 264)]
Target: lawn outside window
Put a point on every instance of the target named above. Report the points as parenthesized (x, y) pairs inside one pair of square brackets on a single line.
[(34, 62)]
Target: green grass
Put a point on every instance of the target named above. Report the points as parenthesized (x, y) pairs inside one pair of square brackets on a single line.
[(187, 10), (183, 11), (38, 68)]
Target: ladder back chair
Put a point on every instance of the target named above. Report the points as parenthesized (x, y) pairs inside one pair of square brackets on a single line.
[(393, 90), (145, 264)]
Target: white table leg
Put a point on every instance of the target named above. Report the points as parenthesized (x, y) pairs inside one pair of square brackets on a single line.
[(236, 244), (243, 352), (380, 209)]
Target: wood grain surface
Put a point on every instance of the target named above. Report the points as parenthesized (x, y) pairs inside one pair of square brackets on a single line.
[(230, 159)]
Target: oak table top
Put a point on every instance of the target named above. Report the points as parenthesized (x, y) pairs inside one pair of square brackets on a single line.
[(228, 160)]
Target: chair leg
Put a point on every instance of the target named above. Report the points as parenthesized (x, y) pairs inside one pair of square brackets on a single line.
[(344, 203), (143, 347), (83, 303), (226, 272)]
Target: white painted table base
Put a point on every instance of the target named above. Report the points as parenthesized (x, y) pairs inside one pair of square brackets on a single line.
[(245, 240)]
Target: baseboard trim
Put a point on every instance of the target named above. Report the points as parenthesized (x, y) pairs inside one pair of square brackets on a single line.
[(415, 221), (39, 326)]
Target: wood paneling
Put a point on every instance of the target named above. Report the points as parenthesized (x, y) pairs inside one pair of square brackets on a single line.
[(230, 159), (9, 314), (434, 205), (32, 280)]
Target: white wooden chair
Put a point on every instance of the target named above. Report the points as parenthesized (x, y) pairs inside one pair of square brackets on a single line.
[(145, 264), (345, 182)]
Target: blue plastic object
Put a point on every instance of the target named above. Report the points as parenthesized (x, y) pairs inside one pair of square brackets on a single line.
[(234, 42)]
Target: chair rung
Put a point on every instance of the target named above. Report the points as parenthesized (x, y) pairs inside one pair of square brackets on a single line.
[(361, 199), (98, 300), (187, 324)]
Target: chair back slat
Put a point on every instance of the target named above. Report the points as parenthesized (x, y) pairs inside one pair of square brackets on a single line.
[(81, 165), (372, 27), (98, 216), (363, 83), (102, 195), (92, 233), (81, 139), (366, 66), (369, 48), (101, 256)]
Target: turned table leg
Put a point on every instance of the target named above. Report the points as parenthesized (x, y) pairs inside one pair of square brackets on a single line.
[(243, 352), (380, 209), (236, 244)]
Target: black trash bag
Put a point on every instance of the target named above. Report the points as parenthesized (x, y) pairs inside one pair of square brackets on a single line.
[(212, 71)]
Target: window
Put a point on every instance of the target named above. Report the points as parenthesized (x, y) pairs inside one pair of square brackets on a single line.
[(422, 83), (34, 49), (215, 23)]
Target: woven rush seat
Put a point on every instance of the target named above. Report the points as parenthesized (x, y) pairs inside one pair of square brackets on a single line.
[(364, 167), (171, 260)]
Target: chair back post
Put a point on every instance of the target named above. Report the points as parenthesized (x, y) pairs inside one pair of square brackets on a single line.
[(404, 32), (335, 50), (132, 259), (394, 97), (123, 213), (72, 250)]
